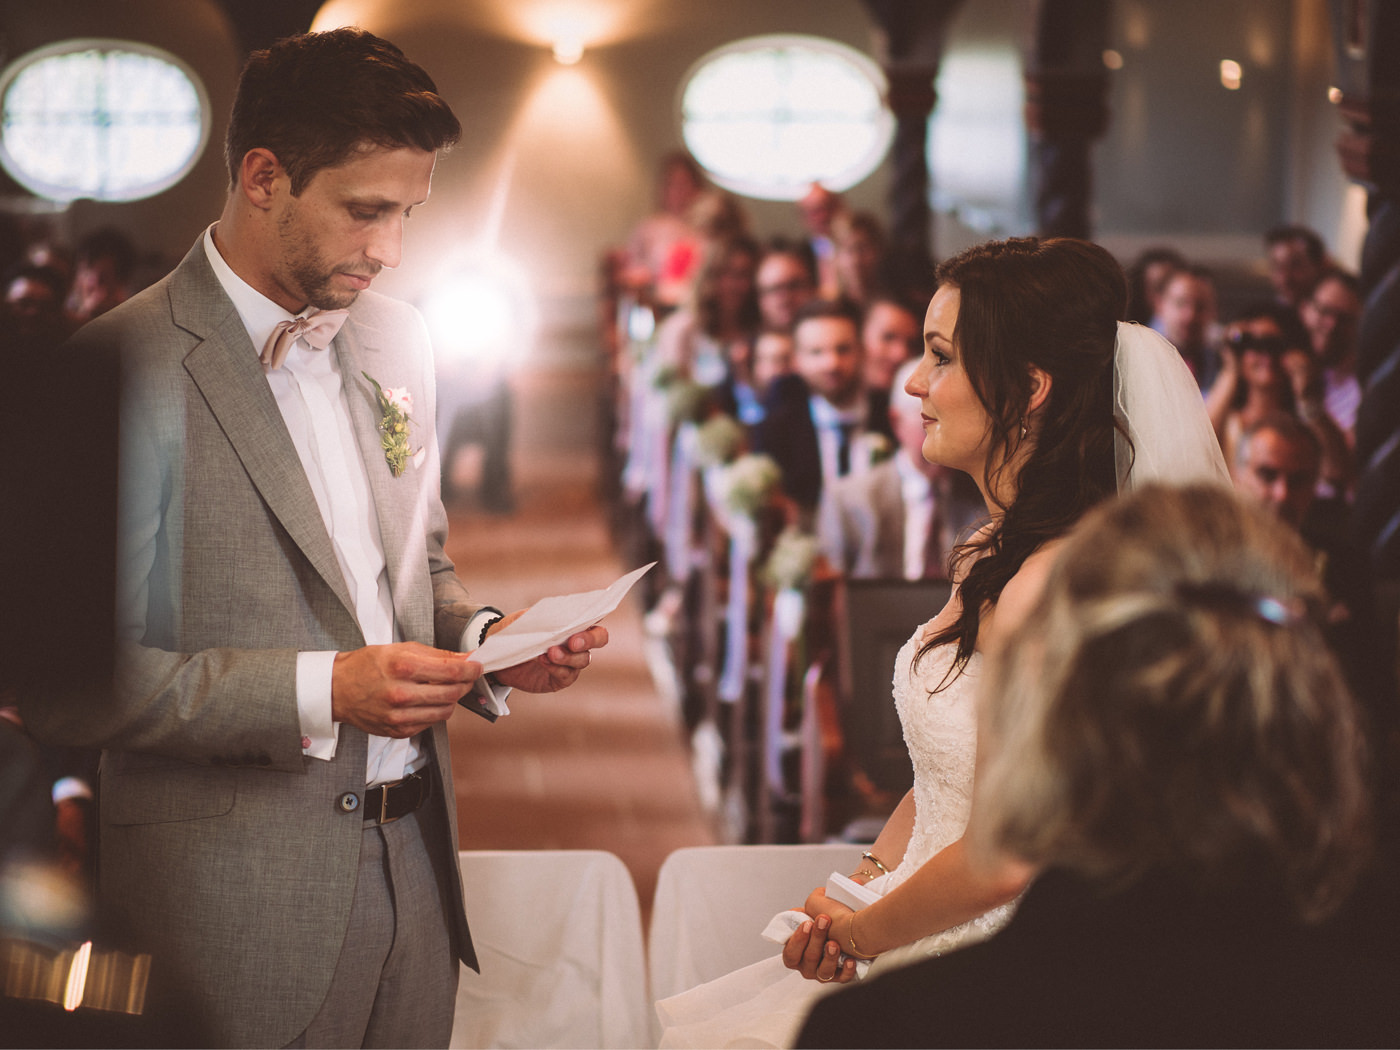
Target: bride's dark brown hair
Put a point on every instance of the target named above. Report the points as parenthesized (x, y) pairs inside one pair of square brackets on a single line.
[(1054, 304)]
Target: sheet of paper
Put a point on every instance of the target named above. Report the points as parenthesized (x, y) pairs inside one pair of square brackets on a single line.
[(552, 621)]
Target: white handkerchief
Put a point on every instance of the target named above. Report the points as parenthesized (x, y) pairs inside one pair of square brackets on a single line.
[(552, 621)]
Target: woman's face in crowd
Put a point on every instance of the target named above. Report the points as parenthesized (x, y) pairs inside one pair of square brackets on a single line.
[(957, 429)]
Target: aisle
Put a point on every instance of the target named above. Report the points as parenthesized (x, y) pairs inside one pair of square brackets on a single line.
[(602, 765)]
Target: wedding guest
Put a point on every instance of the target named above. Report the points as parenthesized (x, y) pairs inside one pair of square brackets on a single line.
[(33, 309), (1331, 315), (817, 420), (902, 518), (786, 281), (662, 250), (278, 822), (721, 310), (859, 252), (1170, 743), (104, 262), (889, 334), (819, 208), (1147, 275), (1296, 260), (1186, 315)]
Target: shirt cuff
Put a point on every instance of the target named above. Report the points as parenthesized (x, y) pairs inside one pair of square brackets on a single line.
[(70, 787), (319, 731), (491, 695)]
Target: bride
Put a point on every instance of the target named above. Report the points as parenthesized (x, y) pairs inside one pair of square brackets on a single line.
[(1031, 385)]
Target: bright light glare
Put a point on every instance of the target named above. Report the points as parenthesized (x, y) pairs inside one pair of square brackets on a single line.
[(1230, 74), (482, 311)]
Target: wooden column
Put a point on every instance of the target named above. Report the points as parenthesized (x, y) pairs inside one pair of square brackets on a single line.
[(1066, 110), (909, 47)]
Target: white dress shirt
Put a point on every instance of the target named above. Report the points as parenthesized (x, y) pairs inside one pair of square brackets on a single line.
[(309, 395), (828, 420)]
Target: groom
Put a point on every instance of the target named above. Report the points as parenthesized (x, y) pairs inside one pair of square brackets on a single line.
[(278, 816)]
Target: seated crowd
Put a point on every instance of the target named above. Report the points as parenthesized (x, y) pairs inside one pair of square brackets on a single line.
[(800, 342)]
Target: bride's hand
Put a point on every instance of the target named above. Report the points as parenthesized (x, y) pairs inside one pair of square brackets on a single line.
[(811, 951)]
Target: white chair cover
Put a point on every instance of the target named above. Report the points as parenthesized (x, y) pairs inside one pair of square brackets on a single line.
[(558, 934), (712, 903)]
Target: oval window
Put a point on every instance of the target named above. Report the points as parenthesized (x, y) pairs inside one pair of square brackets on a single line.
[(768, 116), (111, 120)]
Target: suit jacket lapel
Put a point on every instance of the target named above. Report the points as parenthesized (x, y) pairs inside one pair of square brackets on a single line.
[(225, 368), (397, 501)]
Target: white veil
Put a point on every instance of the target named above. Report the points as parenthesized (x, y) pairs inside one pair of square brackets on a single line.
[(1156, 399)]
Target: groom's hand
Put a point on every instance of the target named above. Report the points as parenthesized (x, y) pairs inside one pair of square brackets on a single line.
[(399, 690), (556, 669)]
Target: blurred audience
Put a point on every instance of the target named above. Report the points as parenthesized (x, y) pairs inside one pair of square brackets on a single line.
[(1174, 747), (1254, 382), (902, 518), (34, 317)]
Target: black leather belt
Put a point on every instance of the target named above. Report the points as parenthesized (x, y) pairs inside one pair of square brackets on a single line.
[(385, 803)]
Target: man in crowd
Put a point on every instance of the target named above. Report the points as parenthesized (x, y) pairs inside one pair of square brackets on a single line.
[(900, 519), (1186, 315), (818, 419), (785, 284), (1296, 258), (278, 816)]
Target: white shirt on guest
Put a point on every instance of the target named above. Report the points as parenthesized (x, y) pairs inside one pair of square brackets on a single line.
[(917, 490)]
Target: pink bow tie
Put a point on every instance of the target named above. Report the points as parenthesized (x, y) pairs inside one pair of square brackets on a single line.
[(317, 328)]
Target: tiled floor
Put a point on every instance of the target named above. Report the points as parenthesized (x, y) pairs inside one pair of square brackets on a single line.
[(603, 765)]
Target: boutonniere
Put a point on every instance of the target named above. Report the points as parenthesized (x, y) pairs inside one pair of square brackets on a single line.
[(394, 408)]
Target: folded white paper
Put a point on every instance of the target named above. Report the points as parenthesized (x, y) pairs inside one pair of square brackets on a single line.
[(552, 621)]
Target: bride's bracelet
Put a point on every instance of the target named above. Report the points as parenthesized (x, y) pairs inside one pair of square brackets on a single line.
[(867, 855), (855, 951)]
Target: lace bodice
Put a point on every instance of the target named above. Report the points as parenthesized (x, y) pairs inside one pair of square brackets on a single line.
[(940, 730)]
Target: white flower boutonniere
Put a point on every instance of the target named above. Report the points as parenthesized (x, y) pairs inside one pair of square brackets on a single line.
[(395, 406)]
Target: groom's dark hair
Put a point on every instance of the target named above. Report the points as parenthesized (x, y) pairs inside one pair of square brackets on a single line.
[(315, 98)]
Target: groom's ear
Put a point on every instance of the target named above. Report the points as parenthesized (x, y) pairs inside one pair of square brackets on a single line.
[(1040, 388), (258, 176)]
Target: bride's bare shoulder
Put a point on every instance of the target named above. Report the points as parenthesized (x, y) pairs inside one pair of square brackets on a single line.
[(1019, 595)]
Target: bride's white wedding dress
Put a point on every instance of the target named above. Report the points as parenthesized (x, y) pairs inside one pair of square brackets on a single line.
[(764, 1005)]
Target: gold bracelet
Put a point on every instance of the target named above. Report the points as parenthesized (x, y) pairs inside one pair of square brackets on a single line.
[(867, 855), (851, 936), (861, 871)]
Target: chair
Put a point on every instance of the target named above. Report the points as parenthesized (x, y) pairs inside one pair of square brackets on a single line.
[(712, 903), (875, 619), (558, 934)]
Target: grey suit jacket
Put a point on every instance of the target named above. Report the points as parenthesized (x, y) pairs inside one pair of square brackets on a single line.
[(860, 521), (224, 850)]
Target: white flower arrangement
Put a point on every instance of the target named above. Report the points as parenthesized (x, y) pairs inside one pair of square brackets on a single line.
[(789, 566), (745, 485), (718, 440), (875, 446)]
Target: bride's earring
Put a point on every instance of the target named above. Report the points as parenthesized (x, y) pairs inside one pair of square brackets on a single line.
[(1024, 428)]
